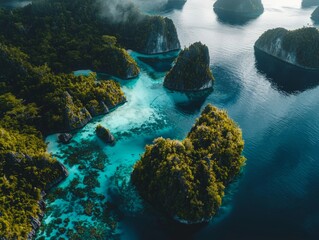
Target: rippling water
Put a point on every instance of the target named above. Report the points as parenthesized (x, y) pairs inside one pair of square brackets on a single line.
[(277, 194)]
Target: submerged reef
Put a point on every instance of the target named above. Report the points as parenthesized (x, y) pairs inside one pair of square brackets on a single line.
[(186, 179)]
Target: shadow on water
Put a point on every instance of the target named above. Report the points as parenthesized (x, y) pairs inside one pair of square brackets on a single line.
[(227, 17), (189, 102), (158, 64), (285, 77), (143, 227), (227, 86)]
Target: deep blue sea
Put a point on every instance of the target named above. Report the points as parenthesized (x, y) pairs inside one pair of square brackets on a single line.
[(277, 194)]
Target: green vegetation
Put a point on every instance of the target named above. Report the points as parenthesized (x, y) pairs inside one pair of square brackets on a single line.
[(186, 179), (67, 36), (191, 71), (251, 7), (25, 168), (104, 134), (40, 45), (66, 102), (302, 43)]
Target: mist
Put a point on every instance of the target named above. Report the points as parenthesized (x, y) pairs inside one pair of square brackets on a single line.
[(118, 11)]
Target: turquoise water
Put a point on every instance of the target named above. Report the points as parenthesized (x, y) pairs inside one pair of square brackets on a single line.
[(277, 194)]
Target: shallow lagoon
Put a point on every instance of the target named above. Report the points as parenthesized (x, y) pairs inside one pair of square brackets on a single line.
[(276, 195)]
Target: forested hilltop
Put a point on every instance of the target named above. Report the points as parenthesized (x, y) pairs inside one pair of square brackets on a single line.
[(40, 45)]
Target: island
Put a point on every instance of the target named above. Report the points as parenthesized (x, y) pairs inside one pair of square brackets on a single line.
[(315, 15), (159, 6), (309, 3), (191, 71), (296, 47), (186, 179), (240, 8)]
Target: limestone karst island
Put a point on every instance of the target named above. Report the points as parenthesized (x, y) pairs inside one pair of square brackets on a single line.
[(164, 119)]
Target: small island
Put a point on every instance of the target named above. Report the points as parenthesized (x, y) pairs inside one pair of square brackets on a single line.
[(309, 3), (186, 179), (315, 15), (298, 47), (104, 134), (191, 71), (242, 8)]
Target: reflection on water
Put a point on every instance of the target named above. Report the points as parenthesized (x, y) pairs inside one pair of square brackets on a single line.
[(189, 102), (283, 76)]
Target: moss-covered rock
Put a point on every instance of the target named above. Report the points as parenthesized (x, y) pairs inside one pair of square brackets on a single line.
[(244, 8), (298, 47), (315, 15), (104, 134), (191, 71), (186, 179)]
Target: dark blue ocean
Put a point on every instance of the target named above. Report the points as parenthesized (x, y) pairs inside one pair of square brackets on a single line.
[(277, 194)]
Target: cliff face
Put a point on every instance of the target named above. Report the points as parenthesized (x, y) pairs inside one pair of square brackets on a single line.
[(191, 71), (160, 35), (298, 47), (247, 8), (75, 116), (148, 34)]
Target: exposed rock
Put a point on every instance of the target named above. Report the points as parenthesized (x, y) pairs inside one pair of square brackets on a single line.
[(191, 71), (162, 36), (76, 116), (65, 137), (298, 47), (150, 34), (315, 15), (97, 108), (104, 134), (244, 8)]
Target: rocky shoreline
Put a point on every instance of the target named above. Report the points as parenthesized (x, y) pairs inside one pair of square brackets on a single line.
[(36, 221)]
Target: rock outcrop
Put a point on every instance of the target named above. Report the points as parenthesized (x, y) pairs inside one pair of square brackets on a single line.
[(65, 137), (191, 71), (244, 8), (104, 134), (149, 34), (315, 15), (298, 47), (76, 116), (161, 36)]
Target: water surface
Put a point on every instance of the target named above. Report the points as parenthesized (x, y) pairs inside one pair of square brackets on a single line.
[(275, 197)]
